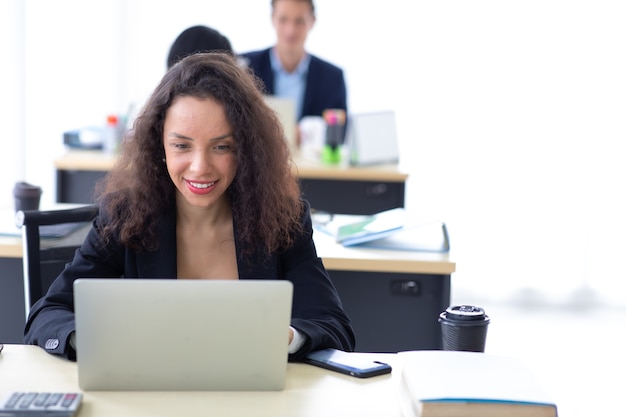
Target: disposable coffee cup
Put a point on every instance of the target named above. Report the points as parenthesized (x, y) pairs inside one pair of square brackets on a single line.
[(464, 327), (27, 196)]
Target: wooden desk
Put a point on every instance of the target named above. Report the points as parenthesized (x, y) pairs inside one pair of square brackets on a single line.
[(11, 290), (11, 279), (309, 392), (336, 189), (393, 297), (11, 247), (12, 282)]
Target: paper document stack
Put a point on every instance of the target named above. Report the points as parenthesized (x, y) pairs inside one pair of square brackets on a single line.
[(391, 229)]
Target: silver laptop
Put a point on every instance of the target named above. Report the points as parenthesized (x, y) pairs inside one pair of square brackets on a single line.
[(182, 335)]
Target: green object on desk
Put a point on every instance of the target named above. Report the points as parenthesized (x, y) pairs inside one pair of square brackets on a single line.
[(331, 154)]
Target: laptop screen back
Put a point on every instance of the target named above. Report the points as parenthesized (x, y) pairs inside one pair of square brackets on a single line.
[(182, 335)]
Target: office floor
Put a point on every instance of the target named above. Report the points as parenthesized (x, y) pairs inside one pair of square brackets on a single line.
[(576, 353)]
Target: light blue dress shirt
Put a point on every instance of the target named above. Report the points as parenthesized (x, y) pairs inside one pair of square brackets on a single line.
[(290, 85)]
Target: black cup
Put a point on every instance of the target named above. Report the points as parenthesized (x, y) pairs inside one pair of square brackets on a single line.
[(26, 196), (464, 327)]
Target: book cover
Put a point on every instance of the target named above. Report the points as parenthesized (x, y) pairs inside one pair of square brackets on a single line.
[(372, 227), (391, 229), (469, 384)]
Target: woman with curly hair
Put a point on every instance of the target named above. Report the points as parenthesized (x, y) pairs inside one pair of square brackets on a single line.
[(203, 189)]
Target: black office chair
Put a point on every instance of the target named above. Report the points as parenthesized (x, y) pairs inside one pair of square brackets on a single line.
[(50, 239)]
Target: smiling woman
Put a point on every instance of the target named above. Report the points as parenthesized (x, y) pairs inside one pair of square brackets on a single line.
[(201, 160), (200, 151), (203, 189), (215, 124)]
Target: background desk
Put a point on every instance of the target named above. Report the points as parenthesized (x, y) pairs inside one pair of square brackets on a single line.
[(336, 189), (376, 287), (11, 290), (394, 298), (309, 392)]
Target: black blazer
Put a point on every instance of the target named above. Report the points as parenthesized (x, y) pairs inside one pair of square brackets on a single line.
[(317, 311), (325, 84)]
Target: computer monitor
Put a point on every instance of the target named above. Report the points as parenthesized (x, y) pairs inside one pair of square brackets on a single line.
[(286, 110)]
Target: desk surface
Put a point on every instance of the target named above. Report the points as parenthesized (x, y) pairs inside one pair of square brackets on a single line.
[(341, 258), (309, 391), (11, 247), (86, 160)]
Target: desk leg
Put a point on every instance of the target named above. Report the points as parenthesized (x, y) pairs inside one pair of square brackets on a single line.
[(387, 315)]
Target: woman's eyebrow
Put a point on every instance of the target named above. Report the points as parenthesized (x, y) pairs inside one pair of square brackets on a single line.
[(224, 136), (179, 136)]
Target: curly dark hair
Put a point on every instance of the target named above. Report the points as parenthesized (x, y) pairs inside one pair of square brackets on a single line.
[(265, 193)]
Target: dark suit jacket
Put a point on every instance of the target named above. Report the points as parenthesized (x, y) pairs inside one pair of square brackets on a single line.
[(325, 84), (317, 311)]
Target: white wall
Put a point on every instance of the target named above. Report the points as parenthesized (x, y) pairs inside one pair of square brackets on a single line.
[(510, 114), (12, 102)]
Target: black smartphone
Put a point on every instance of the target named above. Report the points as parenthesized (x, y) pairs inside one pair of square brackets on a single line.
[(349, 363)]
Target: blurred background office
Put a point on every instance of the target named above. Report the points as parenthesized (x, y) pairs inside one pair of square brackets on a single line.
[(511, 115)]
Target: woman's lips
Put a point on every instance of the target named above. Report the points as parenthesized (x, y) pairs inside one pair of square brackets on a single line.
[(200, 187)]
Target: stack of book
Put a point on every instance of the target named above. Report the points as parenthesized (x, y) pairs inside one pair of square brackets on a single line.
[(469, 384)]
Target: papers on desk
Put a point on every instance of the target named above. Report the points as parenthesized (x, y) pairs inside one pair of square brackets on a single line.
[(391, 229)]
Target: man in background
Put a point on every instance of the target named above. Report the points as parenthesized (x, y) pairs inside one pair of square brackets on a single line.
[(289, 71)]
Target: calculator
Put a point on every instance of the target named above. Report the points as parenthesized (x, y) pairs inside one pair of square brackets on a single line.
[(35, 404)]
